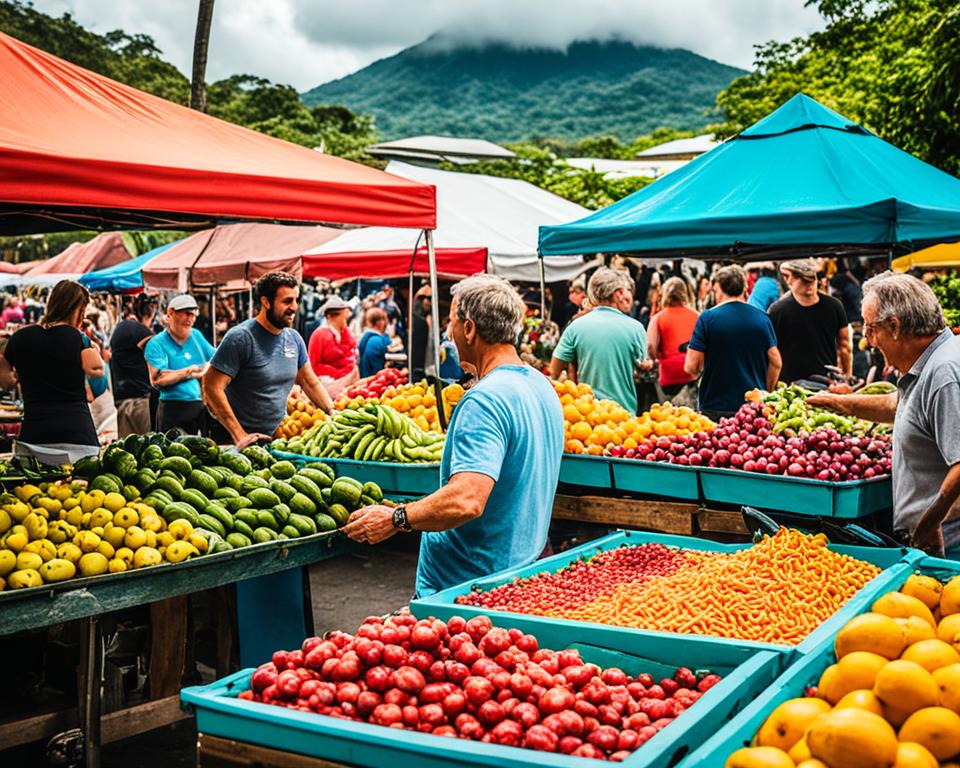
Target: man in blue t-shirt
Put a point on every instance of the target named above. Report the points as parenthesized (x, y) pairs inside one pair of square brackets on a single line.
[(501, 460), (374, 342), (767, 288), (176, 359), (257, 364), (733, 346)]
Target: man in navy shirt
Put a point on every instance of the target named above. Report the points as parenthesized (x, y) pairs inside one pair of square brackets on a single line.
[(733, 346)]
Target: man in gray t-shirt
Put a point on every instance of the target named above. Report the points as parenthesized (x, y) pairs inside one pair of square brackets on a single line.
[(258, 362), (902, 318)]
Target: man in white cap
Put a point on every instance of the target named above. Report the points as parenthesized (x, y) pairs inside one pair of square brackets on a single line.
[(811, 327), (332, 349), (176, 359)]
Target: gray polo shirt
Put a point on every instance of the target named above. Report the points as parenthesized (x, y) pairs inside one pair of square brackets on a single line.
[(926, 433)]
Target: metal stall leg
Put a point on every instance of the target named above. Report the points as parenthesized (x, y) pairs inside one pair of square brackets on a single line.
[(91, 671)]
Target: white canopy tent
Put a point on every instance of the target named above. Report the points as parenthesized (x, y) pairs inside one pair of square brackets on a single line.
[(502, 215)]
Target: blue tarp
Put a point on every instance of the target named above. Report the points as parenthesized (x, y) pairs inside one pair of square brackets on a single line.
[(803, 180), (126, 276)]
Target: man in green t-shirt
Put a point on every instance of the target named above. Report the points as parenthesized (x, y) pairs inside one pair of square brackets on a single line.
[(605, 344)]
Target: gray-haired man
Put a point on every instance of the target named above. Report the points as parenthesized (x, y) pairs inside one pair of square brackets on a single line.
[(901, 317), (501, 461)]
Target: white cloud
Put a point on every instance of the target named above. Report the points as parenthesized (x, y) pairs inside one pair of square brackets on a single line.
[(307, 42)]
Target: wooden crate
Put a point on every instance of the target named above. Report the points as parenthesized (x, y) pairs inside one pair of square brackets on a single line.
[(214, 752)]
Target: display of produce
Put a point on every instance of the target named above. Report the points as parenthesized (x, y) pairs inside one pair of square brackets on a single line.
[(788, 412), (778, 590), (892, 699), (473, 680), (53, 532), (371, 432), (747, 441), (947, 290), (29, 469), (416, 400), (603, 427), (301, 415), (233, 499), (373, 387)]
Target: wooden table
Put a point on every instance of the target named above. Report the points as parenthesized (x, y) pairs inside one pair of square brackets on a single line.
[(214, 752)]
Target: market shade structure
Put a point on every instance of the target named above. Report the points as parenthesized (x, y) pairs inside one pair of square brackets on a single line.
[(473, 212), (81, 151), (126, 276), (104, 250), (801, 181), (451, 263), (937, 256), (233, 254)]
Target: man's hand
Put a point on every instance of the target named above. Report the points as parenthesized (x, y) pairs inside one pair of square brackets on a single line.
[(250, 439), (929, 538), (826, 400), (371, 524)]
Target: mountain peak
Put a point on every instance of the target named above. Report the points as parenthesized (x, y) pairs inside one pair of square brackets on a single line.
[(507, 91)]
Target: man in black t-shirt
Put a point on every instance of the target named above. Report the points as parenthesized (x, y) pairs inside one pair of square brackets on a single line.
[(128, 368), (811, 327)]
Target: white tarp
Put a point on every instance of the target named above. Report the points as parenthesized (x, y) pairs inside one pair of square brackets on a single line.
[(475, 211)]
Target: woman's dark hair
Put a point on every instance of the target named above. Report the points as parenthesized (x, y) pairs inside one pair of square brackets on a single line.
[(65, 299), (144, 306), (268, 284)]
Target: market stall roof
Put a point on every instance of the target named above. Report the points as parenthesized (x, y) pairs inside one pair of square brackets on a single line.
[(451, 263), (803, 180), (474, 212), (937, 256), (81, 151), (126, 276), (233, 253), (104, 250)]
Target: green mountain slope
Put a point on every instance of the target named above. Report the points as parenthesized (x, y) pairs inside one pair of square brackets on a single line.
[(504, 93)]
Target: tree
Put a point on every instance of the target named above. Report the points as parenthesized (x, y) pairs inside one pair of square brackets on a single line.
[(201, 45)]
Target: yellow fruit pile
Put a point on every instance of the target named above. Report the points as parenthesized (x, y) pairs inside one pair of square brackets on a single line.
[(892, 699), (56, 531), (594, 426), (301, 415), (414, 400)]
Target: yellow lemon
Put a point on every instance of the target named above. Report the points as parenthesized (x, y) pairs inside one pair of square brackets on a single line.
[(125, 554), (146, 556), (57, 570), (29, 561), (100, 517), (93, 564), (135, 537), (92, 500), (925, 588), (114, 501), (8, 561), (117, 565), (125, 517), (71, 552)]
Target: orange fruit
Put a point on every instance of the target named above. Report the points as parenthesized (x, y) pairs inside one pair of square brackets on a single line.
[(936, 728), (871, 632), (931, 654)]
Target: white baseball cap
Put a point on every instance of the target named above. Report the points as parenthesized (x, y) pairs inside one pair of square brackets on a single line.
[(182, 302)]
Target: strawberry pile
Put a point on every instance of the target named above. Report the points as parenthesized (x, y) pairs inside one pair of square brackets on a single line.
[(471, 680)]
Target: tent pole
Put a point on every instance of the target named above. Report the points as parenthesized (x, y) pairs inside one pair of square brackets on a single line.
[(410, 322), (434, 301), (543, 292), (213, 314)]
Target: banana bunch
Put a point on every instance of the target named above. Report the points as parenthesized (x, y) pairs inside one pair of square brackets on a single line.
[(372, 432)]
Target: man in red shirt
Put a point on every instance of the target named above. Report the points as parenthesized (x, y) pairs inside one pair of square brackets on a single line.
[(333, 350)]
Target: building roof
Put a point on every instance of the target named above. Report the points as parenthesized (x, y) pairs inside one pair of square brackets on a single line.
[(680, 149), (436, 148), (624, 169)]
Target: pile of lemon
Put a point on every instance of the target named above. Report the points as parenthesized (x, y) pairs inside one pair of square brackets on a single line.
[(58, 531), (891, 700)]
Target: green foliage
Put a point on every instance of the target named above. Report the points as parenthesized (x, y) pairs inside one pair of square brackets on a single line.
[(541, 166), (891, 65), (947, 290), (505, 94)]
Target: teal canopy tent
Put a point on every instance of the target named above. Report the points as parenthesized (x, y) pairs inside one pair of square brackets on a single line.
[(125, 276), (801, 181)]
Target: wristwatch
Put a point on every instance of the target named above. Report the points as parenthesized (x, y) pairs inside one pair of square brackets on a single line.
[(400, 519)]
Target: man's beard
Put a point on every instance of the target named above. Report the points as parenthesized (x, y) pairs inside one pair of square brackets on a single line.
[(279, 321)]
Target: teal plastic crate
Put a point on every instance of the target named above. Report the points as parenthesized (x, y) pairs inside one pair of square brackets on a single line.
[(443, 604), (746, 674), (799, 495), (655, 478), (409, 479), (586, 471), (791, 684)]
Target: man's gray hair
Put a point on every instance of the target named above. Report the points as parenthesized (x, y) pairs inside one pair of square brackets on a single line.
[(605, 282), (909, 300), (494, 306)]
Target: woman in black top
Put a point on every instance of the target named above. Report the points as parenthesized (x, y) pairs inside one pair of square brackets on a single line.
[(50, 362)]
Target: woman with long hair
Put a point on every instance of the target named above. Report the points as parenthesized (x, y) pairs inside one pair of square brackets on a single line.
[(50, 362), (669, 332)]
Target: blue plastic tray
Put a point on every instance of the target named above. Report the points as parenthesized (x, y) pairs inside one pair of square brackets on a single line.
[(411, 479), (746, 674), (655, 478), (791, 684), (586, 471), (800, 495), (443, 604)]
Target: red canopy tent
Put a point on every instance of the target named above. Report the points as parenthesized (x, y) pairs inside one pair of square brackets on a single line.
[(451, 262), (81, 151), (233, 254), (104, 250)]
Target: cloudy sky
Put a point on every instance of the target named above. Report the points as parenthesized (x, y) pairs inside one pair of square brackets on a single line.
[(308, 42)]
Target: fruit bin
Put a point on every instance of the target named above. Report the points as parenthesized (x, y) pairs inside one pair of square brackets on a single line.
[(799, 495), (443, 604), (412, 479), (792, 683), (586, 471), (655, 478), (746, 673)]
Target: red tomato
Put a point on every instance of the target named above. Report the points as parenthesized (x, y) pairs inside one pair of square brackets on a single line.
[(541, 738)]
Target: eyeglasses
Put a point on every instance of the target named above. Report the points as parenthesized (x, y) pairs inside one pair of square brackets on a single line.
[(870, 328)]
